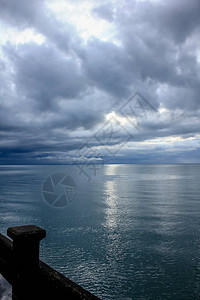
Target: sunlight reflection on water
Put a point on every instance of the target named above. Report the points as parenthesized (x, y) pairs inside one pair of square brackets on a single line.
[(129, 234)]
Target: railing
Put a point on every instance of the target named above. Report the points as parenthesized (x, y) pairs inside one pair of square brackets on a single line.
[(29, 276)]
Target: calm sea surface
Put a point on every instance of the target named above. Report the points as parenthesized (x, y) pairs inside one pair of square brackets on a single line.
[(130, 231)]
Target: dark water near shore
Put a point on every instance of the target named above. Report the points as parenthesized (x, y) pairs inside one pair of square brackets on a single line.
[(132, 231)]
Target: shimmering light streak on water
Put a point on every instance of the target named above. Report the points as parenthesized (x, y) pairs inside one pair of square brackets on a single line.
[(133, 231)]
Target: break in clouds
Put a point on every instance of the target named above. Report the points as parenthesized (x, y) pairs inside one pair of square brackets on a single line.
[(67, 67)]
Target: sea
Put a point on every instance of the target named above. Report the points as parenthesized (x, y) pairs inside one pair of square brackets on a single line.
[(120, 231)]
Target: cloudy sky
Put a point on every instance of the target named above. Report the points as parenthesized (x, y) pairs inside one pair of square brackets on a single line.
[(115, 81)]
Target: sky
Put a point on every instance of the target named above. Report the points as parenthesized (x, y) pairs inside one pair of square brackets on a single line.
[(99, 81)]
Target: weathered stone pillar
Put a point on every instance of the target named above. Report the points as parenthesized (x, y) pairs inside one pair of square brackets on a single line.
[(26, 241)]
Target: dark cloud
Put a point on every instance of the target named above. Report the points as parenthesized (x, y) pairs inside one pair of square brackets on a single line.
[(19, 14), (54, 96), (178, 18), (158, 58), (105, 11), (35, 15), (107, 66), (44, 74)]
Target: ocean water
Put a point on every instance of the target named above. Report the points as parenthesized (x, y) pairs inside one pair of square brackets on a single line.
[(128, 231)]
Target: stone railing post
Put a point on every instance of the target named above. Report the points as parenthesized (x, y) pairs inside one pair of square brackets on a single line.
[(30, 277), (26, 241)]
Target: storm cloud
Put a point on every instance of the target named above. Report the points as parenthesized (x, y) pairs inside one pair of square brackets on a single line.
[(68, 67)]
